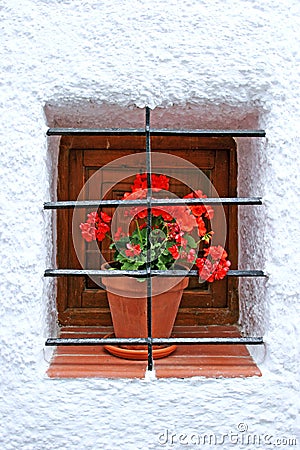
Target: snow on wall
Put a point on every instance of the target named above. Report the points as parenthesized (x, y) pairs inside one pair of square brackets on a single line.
[(200, 64)]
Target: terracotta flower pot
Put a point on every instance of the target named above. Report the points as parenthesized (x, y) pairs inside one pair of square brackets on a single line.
[(127, 299)]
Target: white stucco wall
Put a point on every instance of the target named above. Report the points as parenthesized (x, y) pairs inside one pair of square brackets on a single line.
[(202, 64)]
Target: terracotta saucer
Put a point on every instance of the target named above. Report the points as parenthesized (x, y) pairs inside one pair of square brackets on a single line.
[(128, 353)]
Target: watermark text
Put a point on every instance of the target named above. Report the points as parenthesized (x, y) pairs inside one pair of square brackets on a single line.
[(240, 436)]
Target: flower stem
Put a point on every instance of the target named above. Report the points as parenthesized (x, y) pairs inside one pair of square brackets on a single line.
[(139, 231)]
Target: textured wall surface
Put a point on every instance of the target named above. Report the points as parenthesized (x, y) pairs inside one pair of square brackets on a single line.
[(200, 64)]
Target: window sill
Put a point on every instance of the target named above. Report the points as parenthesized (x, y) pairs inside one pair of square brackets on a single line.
[(211, 361)]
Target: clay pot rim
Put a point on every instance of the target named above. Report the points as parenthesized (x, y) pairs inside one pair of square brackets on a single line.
[(132, 285)]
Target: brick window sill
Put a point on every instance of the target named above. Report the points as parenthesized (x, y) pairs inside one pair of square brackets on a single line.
[(211, 361)]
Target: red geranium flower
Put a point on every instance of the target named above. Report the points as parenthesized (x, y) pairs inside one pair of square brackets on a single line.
[(177, 228), (204, 268), (201, 227), (184, 218), (216, 252), (142, 214), (158, 182), (95, 227), (214, 265), (87, 232), (200, 210), (156, 212), (105, 217), (174, 251), (191, 255), (132, 250), (119, 234), (92, 218)]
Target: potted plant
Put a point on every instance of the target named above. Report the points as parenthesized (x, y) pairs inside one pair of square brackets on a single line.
[(180, 237)]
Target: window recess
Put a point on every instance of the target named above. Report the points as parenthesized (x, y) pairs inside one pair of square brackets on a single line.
[(149, 202)]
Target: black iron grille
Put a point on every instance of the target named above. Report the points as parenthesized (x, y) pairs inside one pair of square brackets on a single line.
[(149, 202)]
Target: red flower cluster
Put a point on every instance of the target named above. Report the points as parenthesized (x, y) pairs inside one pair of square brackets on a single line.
[(174, 250), (95, 228), (184, 231), (156, 212), (119, 234), (158, 182), (177, 253), (174, 232), (178, 250), (184, 218), (139, 191), (214, 265), (133, 250), (200, 210)]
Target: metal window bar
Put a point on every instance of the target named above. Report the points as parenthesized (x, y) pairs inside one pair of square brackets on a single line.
[(149, 229), (158, 341), (142, 273), (155, 202), (148, 273), (154, 132)]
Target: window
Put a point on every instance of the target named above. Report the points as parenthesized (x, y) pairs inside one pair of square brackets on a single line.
[(81, 303)]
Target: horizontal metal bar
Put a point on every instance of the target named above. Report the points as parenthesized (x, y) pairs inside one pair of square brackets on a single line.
[(209, 133), (96, 341), (154, 132), (209, 340), (143, 273), (96, 131), (155, 341), (154, 202), (246, 273)]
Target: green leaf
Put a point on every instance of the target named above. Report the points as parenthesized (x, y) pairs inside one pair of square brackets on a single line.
[(191, 242), (127, 266), (161, 265)]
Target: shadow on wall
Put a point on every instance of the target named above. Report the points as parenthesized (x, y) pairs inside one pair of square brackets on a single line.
[(92, 114)]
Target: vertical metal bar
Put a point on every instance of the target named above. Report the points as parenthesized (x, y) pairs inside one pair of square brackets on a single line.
[(149, 229)]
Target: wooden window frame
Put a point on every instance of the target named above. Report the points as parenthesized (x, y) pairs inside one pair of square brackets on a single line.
[(119, 146)]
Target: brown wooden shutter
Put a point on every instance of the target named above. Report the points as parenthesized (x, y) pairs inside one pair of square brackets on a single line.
[(79, 300)]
